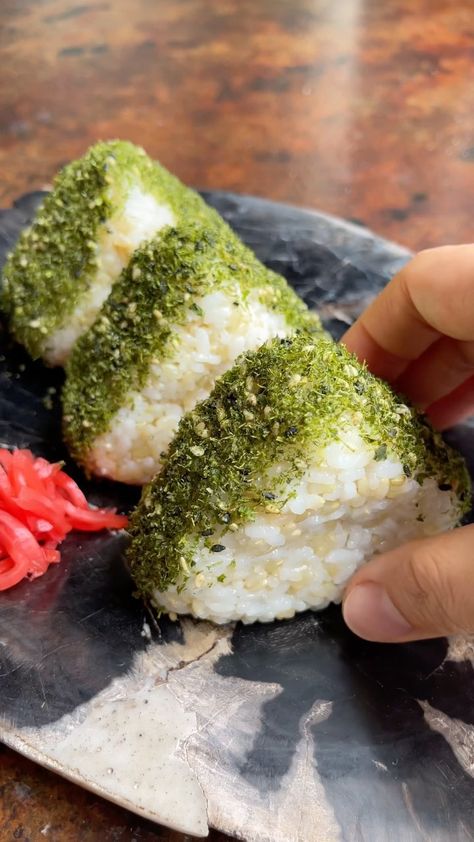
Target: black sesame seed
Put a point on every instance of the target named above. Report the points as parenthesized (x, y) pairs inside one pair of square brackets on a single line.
[(381, 453), (225, 517), (217, 548), (445, 486), (207, 532), (269, 496), (290, 432), (407, 470)]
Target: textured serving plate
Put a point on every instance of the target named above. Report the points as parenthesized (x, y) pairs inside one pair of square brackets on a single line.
[(287, 732)]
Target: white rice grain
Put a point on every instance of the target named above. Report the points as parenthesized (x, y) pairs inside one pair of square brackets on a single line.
[(139, 219), (347, 507), (204, 348)]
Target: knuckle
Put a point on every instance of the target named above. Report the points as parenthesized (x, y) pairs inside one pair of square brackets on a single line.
[(423, 272), (426, 254), (434, 595), (416, 276)]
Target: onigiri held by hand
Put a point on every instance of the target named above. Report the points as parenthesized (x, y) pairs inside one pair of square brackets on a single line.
[(297, 469)]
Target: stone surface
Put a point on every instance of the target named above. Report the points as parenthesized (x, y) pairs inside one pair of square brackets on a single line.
[(358, 107)]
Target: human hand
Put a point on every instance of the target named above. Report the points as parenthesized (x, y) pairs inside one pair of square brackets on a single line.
[(419, 335)]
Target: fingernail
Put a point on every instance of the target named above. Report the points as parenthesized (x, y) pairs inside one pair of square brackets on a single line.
[(370, 613)]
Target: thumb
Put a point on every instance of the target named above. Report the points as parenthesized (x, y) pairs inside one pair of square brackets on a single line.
[(421, 590)]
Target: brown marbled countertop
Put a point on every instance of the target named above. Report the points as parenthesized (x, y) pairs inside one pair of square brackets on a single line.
[(357, 107)]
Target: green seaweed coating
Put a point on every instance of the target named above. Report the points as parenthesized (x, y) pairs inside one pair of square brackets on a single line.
[(276, 404), (162, 282), (54, 261)]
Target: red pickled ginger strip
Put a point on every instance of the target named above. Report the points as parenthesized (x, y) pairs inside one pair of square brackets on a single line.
[(39, 505)]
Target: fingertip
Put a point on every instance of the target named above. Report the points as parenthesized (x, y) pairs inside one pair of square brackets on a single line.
[(370, 613)]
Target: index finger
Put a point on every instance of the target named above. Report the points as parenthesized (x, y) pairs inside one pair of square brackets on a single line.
[(430, 297)]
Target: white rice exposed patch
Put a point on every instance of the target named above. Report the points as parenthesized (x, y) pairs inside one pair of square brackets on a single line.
[(137, 221), (205, 347), (345, 508)]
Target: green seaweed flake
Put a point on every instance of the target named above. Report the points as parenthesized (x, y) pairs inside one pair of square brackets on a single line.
[(152, 296), (54, 261), (304, 384)]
